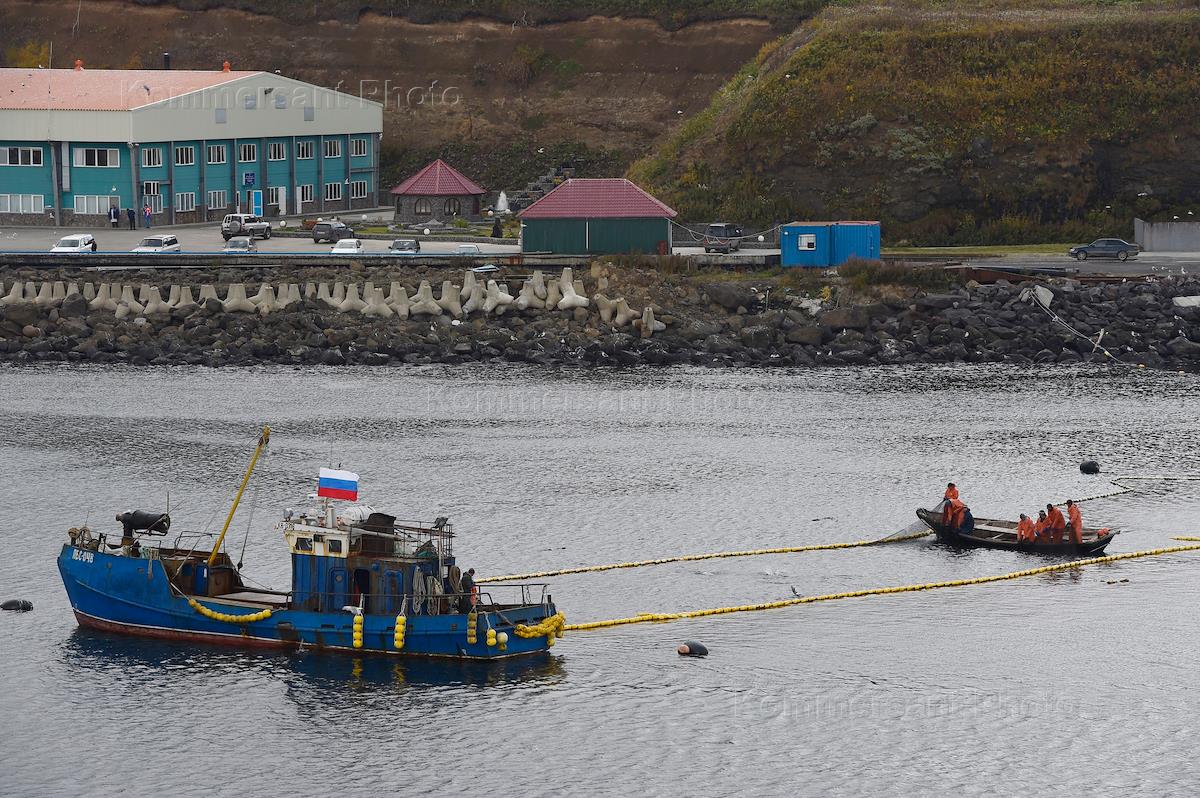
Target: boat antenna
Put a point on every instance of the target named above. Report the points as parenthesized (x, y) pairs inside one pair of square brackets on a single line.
[(262, 444)]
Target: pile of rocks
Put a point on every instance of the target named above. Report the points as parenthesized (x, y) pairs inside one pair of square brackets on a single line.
[(649, 319)]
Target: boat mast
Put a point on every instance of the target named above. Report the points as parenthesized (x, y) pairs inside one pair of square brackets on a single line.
[(262, 442)]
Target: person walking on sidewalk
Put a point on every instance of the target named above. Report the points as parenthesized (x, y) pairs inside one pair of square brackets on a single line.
[(129, 214)]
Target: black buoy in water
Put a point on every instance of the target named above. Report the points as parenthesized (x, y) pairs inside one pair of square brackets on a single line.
[(1089, 467), (17, 605), (691, 648)]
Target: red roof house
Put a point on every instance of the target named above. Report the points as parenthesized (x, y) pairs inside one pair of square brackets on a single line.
[(608, 216), (439, 191)]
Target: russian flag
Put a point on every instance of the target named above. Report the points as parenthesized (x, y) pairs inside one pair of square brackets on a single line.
[(333, 484)]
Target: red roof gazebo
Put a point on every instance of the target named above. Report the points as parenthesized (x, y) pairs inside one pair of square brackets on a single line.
[(438, 189)]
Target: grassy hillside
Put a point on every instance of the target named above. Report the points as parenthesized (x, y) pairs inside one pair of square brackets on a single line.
[(1007, 122), (669, 12)]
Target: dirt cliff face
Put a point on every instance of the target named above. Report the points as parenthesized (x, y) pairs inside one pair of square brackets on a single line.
[(614, 84)]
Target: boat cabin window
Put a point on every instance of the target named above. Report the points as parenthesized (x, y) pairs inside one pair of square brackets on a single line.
[(334, 546), (304, 544), (318, 538)]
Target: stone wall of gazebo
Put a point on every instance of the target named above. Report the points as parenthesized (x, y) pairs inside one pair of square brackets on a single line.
[(412, 210)]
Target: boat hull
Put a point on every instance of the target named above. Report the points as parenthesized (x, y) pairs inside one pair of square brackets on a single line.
[(1091, 546), (131, 595)]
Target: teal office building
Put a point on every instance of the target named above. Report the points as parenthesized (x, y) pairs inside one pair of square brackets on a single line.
[(188, 145)]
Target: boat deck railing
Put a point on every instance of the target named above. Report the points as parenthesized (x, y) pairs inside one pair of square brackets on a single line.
[(509, 596)]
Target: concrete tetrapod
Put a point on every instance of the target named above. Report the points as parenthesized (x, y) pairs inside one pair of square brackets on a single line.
[(351, 302), (474, 299), (15, 296), (185, 301), (539, 285), (292, 298), (528, 297), (103, 299), (144, 293), (571, 299), (325, 296), (72, 288), (155, 306), (264, 300), (310, 290), (648, 324), (424, 303), (449, 300), (398, 299), (45, 296), (377, 306), (606, 306), (236, 300), (468, 287), (122, 310), (127, 297), (58, 291), (624, 314), (497, 301), (553, 295), (89, 291), (208, 292), (339, 293), (173, 295)]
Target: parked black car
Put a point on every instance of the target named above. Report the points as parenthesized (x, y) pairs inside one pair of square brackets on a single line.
[(1105, 248), (405, 246), (331, 231)]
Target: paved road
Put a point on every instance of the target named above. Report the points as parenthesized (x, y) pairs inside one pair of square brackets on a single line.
[(1148, 263), (203, 240)]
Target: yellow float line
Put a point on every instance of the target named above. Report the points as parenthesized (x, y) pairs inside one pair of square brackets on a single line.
[(709, 556), (1184, 537), (771, 605), (261, 615)]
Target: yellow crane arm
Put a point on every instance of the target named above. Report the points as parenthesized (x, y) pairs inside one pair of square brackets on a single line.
[(262, 442)]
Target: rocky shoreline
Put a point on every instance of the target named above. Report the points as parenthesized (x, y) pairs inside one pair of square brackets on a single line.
[(618, 316)]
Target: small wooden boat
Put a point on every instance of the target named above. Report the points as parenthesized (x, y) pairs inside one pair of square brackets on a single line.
[(994, 533)]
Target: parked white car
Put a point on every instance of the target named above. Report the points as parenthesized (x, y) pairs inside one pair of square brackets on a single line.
[(82, 242), (240, 245), (158, 244), (468, 249), (347, 246)]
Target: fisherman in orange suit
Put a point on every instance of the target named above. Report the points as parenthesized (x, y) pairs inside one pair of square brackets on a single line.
[(1076, 522), (952, 515), (951, 492), (1039, 528), (1024, 529), (1055, 523)]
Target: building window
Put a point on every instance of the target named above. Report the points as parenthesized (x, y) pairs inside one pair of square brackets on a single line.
[(185, 201), (94, 204), (185, 156), (806, 241), (306, 193), (251, 102), (310, 113), (151, 157), (22, 203), (276, 151), (216, 153), (304, 150), (220, 116), (358, 189), (358, 147), (273, 194), (248, 153), (93, 156), (333, 192), (280, 100), (20, 156), (333, 148), (423, 207), (218, 199), (453, 207)]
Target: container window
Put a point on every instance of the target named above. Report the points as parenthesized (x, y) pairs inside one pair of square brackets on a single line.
[(806, 241)]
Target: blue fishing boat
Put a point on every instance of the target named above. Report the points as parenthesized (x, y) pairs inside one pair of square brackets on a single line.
[(361, 582)]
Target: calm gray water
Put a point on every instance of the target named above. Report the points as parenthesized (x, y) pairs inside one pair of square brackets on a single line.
[(1060, 684)]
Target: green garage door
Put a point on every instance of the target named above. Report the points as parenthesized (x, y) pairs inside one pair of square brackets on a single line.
[(558, 236)]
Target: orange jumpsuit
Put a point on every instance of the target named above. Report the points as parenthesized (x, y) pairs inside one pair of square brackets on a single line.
[(1056, 524), (952, 516), (951, 493), (1076, 524), (1025, 530)]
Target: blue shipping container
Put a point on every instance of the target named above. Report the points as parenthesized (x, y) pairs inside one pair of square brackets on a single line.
[(823, 245)]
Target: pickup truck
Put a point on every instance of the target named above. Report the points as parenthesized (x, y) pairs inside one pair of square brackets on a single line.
[(245, 224)]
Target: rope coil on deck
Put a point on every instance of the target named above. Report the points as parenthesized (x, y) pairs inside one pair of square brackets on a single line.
[(649, 617), (707, 556), (261, 615)]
